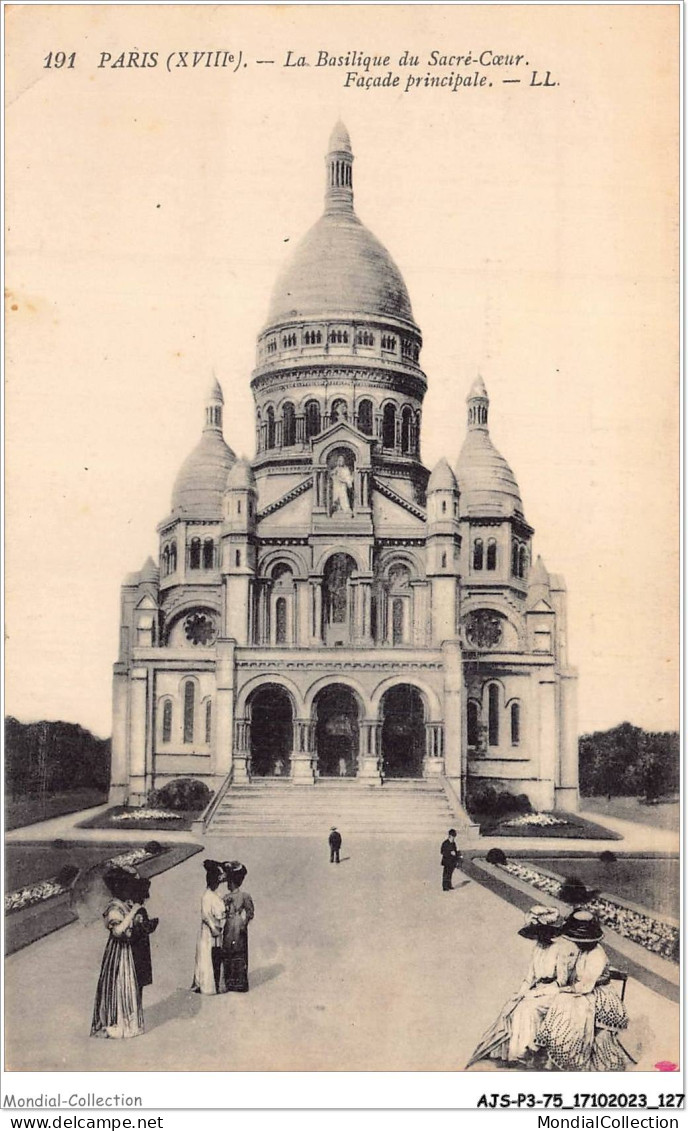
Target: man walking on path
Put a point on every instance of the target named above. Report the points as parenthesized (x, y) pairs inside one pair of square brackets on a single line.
[(450, 859), (335, 842)]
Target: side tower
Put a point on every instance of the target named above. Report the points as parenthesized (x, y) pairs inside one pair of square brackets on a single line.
[(519, 725), (164, 723)]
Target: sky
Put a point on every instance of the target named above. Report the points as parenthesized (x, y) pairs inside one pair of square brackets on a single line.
[(149, 211)]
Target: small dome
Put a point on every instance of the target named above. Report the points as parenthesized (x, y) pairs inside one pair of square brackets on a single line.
[(215, 391), (150, 571), (487, 484), (241, 476), (339, 138), (477, 389), (442, 478), (339, 268), (200, 484)]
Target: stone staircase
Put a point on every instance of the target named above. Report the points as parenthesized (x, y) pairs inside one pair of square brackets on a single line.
[(269, 807)]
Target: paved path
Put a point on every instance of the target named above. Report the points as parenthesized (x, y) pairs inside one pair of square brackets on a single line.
[(635, 837), (363, 966)]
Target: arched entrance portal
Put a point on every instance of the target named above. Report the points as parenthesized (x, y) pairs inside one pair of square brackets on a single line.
[(336, 731), (403, 732), (271, 731)]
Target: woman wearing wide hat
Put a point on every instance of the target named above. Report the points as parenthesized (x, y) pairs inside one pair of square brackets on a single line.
[(511, 1038), (579, 1031), (239, 912), (118, 1008), (208, 952)]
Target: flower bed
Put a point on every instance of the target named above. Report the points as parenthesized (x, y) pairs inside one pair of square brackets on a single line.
[(536, 820), (146, 815), (651, 933), (47, 889)]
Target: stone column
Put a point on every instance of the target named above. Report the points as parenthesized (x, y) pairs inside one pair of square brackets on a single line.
[(316, 608), (368, 752), (224, 710), (140, 775), (419, 590), (119, 766), (242, 750), (434, 749), (452, 708), (547, 740), (567, 792), (302, 767), (302, 614), (365, 592)]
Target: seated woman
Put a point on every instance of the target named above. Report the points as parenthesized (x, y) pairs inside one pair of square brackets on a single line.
[(580, 1030), (239, 912), (511, 1039)]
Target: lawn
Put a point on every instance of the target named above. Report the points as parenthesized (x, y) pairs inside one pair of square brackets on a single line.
[(663, 815), (651, 883), (575, 827), (31, 808), (123, 817), (31, 863)]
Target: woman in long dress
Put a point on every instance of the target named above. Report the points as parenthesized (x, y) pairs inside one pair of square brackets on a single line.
[(205, 979), (240, 911), (511, 1038), (580, 1030), (118, 1008), (143, 928)]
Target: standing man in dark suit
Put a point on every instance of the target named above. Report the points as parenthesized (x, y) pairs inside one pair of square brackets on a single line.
[(335, 842), (450, 858)]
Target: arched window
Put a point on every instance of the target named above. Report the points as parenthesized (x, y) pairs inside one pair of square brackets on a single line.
[(166, 561), (472, 723), (365, 417), (515, 724), (493, 715), (288, 425), (270, 436), (189, 707), (195, 553), (208, 722), (167, 721), (281, 620), (478, 553), (492, 553), (398, 621), (173, 557), (514, 559), (339, 411), (522, 561), (406, 430), (389, 426), (444, 561), (208, 554), (237, 557), (444, 506), (312, 419)]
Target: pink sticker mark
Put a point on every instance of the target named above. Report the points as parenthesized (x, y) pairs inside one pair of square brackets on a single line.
[(666, 1066)]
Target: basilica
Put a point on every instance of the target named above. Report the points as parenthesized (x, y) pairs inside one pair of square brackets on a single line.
[(332, 609)]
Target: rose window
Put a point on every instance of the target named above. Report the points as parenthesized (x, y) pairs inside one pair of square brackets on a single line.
[(200, 629), (484, 629)]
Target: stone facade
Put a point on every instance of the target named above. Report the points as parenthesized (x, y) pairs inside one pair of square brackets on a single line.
[(331, 609)]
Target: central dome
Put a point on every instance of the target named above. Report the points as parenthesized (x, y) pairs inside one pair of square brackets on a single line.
[(339, 267)]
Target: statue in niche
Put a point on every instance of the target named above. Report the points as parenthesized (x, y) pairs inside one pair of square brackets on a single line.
[(341, 487)]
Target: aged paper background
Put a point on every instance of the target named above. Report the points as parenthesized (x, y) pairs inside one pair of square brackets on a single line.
[(149, 211)]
